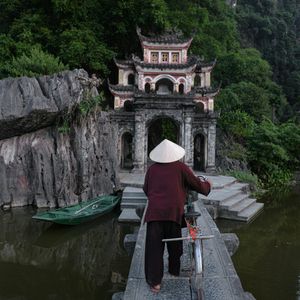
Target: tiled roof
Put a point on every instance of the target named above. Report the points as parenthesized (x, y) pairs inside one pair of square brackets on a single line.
[(127, 63), (121, 88), (166, 38), (205, 90)]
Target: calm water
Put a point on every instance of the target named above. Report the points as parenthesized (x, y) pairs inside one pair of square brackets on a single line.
[(268, 258), (43, 261)]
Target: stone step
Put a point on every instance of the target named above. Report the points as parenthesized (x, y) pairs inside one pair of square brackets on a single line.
[(133, 199), (233, 201), (217, 196), (129, 215), (132, 191), (245, 215), (219, 181), (239, 207), (132, 204), (250, 212)]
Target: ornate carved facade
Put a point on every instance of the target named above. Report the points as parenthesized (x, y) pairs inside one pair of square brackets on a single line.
[(166, 84)]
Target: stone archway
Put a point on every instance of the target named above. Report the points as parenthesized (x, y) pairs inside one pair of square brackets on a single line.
[(126, 151), (164, 86), (162, 128), (199, 152)]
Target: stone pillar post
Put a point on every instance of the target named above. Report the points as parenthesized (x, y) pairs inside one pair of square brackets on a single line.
[(176, 87), (152, 86), (187, 141), (139, 144), (211, 147)]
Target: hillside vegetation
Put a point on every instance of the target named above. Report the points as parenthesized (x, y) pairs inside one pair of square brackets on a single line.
[(257, 47)]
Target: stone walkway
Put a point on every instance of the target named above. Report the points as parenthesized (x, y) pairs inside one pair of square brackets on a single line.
[(220, 281)]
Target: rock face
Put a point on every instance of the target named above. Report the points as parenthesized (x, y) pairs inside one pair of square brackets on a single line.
[(47, 168), (225, 148), (28, 104)]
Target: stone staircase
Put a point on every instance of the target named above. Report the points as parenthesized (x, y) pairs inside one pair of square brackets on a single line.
[(233, 202), (230, 198)]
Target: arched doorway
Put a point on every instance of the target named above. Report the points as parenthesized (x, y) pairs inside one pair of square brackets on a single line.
[(197, 80), (160, 129), (131, 79), (181, 88), (164, 87), (199, 108), (128, 106), (147, 88), (199, 152), (126, 151)]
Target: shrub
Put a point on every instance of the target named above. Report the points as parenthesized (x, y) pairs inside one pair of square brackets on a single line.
[(36, 63)]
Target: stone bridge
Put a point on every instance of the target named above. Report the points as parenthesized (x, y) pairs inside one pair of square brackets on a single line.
[(220, 280)]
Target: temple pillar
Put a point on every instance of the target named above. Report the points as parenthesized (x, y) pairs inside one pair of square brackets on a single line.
[(211, 147), (176, 87), (152, 86), (187, 141), (139, 145)]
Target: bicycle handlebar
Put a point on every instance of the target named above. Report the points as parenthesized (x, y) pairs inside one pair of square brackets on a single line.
[(201, 237)]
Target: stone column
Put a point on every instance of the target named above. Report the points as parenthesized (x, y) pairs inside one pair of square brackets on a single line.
[(139, 144), (211, 147), (187, 141), (152, 86), (176, 87)]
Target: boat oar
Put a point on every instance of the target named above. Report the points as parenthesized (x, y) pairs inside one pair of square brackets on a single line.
[(80, 210)]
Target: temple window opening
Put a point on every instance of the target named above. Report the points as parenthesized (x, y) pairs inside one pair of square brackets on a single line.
[(147, 87), (199, 108), (154, 57), (165, 57), (164, 87), (197, 80), (131, 79), (126, 151), (175, 57), (128, 105), (181, 88)]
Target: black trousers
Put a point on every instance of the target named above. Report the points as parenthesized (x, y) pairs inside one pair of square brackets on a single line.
[(154, 250)]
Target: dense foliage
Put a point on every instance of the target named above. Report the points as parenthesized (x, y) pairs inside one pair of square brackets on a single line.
[(258, 85)]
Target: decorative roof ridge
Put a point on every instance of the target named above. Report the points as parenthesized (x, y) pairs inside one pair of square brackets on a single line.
[(126, 62), (205, 90), (175, 37), (203, 63), (121, 88)]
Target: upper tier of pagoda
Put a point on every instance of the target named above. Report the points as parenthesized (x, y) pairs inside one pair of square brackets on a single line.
[(166, 69)]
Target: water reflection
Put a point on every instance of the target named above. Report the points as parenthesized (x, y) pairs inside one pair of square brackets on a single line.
[(268, 259), (43, 261)]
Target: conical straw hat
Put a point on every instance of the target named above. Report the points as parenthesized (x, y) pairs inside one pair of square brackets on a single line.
[(167, 152)]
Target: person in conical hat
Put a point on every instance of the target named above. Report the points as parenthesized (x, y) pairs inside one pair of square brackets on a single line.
[(166, 184)]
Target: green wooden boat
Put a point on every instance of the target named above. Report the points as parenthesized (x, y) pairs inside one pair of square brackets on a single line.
[(79, 213)]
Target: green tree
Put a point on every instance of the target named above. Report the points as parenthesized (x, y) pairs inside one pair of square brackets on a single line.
[(36, 63), (242, 65), (81, 48)]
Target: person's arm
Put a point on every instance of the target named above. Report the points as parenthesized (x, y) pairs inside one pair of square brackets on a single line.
[(145, 187), (199, 185)]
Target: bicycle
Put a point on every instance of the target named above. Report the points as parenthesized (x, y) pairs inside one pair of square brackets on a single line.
[(195, 240)]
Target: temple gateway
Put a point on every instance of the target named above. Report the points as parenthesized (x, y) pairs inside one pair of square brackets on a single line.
[(167, 94)]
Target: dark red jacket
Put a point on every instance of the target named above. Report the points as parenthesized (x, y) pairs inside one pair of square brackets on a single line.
[(166, 186)]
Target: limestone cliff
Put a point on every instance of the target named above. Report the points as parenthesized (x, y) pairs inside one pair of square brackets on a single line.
[(48, 168)]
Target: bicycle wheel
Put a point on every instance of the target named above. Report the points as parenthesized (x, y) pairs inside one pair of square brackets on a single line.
[(198, 257), (196, 277)]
